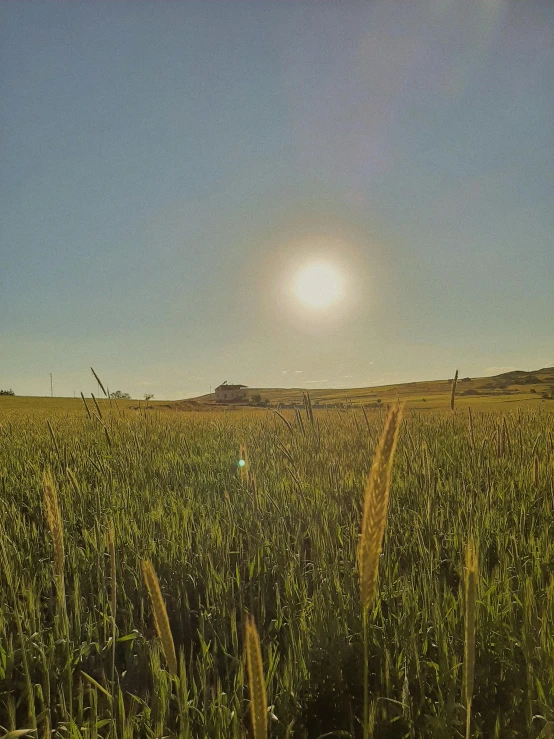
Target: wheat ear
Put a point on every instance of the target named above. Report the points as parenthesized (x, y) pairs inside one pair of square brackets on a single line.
[(161, 620), (258, 698), (375, 507), (453, 390), (470, 582), (54, 521), (99, 382)]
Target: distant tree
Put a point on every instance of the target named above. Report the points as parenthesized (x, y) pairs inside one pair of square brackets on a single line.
[(148, 396), (120, 395), (7, 392), (256, 398)]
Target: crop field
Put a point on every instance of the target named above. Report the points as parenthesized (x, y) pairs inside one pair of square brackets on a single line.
[(96, 503)]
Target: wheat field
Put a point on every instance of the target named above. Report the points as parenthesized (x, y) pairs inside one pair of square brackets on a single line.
[(112, 518)]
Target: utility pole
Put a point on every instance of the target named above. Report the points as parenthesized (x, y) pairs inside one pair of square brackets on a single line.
[(51, 387)]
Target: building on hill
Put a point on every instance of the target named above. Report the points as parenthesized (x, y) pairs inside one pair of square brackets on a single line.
[(229, 393)]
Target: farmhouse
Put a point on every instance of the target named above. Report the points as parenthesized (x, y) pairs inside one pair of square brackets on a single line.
[(228, 393)]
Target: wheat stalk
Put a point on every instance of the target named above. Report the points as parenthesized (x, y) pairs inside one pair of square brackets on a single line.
[(470, 582), (86, 406), (453, 390), (161, 621), (113, 595), (375, 507), (113, 573), (54, 521), (471, 431), (96, 406), (258, 698)]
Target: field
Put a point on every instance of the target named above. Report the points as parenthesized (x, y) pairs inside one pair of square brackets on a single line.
[(277, 539)]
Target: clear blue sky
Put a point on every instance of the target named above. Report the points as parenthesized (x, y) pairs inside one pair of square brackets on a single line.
[(167, 166)]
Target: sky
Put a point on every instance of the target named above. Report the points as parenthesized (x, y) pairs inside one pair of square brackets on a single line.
[(167, 169)]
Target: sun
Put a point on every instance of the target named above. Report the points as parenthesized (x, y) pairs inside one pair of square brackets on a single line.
[(319, 285)]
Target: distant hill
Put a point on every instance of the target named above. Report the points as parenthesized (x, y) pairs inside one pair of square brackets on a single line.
[(516, 385), (519, 377)]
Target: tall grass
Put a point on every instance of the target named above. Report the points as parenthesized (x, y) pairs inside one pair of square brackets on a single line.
[(469, 643)]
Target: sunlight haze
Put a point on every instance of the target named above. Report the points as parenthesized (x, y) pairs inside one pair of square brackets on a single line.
[(319, 285)]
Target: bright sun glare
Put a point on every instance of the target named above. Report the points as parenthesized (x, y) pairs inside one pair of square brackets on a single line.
[(318, 285)]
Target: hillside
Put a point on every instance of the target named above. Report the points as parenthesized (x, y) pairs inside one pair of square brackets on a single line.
[(516, 385), (531, 389)]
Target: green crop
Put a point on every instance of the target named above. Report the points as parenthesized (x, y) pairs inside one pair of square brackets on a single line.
[(276, 541)]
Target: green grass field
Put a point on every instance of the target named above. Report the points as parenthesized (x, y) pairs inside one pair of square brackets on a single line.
[(277, 539)]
